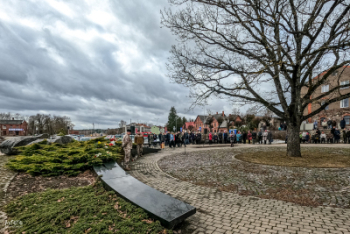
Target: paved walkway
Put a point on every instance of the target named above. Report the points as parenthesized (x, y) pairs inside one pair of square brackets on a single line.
[(222, 212), (5, 178)]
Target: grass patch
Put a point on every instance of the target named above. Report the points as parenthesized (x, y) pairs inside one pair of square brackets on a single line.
[(312, 157), (89, 209), (71, 159)]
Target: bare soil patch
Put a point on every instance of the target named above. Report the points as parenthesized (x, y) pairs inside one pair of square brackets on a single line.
[(311, 158), (24, 183)]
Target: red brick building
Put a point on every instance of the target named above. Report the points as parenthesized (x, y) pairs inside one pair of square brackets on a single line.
[(187, 125), (13, 127), (334, 111)]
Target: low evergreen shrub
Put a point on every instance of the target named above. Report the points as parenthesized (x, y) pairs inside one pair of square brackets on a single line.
[(89, 209), (71, 159)]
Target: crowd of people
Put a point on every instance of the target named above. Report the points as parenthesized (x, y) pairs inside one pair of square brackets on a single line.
[(334, 136), (179, 139)]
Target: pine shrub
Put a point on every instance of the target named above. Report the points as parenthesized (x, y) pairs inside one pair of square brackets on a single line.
[(71, 159)]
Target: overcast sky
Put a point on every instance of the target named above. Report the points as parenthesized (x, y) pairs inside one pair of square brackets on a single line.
[(94, 61)]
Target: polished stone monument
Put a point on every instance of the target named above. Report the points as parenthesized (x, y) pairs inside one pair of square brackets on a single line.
[(168, 210)]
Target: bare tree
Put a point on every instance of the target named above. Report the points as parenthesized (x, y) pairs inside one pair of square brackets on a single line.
[(261, 52)]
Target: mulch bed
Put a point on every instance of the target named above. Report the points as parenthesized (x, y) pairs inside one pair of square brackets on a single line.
[(24, 183)]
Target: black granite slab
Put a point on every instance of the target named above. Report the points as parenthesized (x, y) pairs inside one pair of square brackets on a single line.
[(168, 210)]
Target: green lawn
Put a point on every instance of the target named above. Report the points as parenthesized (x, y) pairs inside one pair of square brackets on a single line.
[(89, 209)]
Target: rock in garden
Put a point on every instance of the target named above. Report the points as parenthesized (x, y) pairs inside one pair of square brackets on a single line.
[(61, 140), (8, 147)]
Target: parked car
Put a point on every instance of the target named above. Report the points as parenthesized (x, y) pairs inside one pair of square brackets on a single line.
[(85, 139)]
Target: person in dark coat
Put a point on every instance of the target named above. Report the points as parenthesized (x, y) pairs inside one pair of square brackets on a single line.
[(348, 135), (215, 139), (333, 133), (260, 136), (244, 137), (220, 137), (254, 135), (334, 124), (232, 138), (192, 138), (269, 136), (336, 135), (199, 138), (345, 138), (225, 136), (342, 123), (317, 136), (329, 123)]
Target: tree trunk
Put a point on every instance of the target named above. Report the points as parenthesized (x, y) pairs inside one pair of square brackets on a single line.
[(293, 143)]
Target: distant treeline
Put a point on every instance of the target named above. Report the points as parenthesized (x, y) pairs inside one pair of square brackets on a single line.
[(42, 123)]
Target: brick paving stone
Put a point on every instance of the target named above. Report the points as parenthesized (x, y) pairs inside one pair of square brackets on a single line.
[(6, 176), (218, 211)]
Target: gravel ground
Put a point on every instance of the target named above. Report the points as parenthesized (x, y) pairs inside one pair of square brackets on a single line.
[(220, 169)]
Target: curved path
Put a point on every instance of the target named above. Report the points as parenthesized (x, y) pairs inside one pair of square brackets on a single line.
[(223, 212), (6, 176)]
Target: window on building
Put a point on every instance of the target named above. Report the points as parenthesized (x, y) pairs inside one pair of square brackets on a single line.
[(335, 73), (325, 88), (4, 127), (347, 120), (344, 103), (345, 82), (322, 103)]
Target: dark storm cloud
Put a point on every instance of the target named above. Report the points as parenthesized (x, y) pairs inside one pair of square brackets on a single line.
[(93, 61)]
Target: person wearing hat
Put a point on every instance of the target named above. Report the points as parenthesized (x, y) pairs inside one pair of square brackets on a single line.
[(127, 146)]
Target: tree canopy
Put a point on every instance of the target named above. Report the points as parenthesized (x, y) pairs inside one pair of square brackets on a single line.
[(261, 52)]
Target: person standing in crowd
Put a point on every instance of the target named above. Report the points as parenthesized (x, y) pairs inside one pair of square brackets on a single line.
[(334, 123), (260, 136), (336, 135), (264, 135), (152, 139), (171, 140), (249, 137), (244, 137), (324, 124), (333, 133), (285, 126), (149, 137), (232, 138), (344, 136), (342, 123), (315, 124), (210, 138), (307, 139), (323, 137), (304, 137), (215, 139), (254, 137), (186, 138), (329, 123), (220, 137), (238, 137), (198, 138), (317, 136), (330, 138), (225, 137), (301, 137), (193, 137), (269, 137), (139, 140), (127, 146), (348, 135), (161, 139)]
